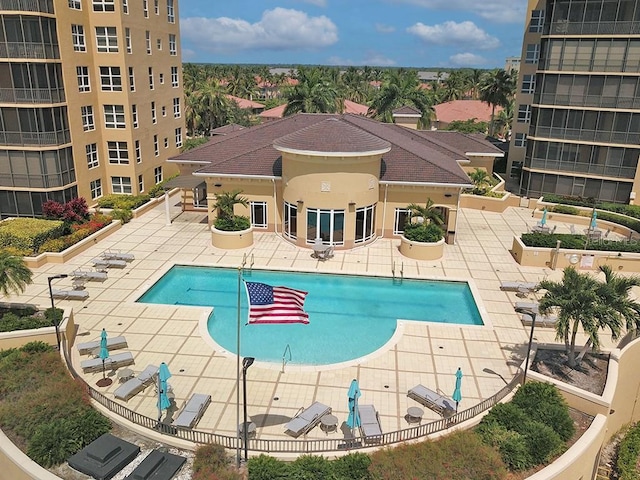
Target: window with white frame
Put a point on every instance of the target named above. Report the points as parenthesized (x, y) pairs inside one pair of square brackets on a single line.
[(110, 79), (521, 140), (176, 107), (164, 111), (157, 174), (537, 21), (290, 221), (147, 38), (173, 49), (524, 113), (88, 122), (138, 151), (132, 80), (77, 37), (118, 153), (178, 137), (156, 7), (134, 116), (121, 185), (114, 116), (96, 188), (104, 6), (127, 40), (154, 118), (326, 224), (171, 15), (140, 183), (75, 4), (84, 84), (258, 214), (161, 75), (365, 223), (401, 217), (125, 7), (175, 80), (151, 78), (159, 43), (92, 155), (533, 53), (145, 8), (106, 39), (156, 146), (528, 84)]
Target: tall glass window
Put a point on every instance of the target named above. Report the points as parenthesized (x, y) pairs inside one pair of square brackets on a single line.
[(400, 220), (259, 214), (365, 223), (325, 224), (290, 225)]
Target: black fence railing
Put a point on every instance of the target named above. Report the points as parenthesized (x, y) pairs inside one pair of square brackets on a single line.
[(298, 445)]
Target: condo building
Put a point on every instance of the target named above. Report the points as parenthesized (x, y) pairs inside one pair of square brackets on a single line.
[(576, 128), (91, 99)]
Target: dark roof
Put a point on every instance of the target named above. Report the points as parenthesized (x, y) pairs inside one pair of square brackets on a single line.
[(225, 129), (251, 151), (406, 110), (461, 142), (157, 466)]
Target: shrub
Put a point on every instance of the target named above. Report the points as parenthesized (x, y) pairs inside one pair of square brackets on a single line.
[(514, 451), (507, 415), (54, 245), (11, 322), (578, 242), (28, 234), (125, 202), (543, 442), (123, 214), (354, 466), (233, 224), (423, 232), (628, 454), (310, 467), (264, 467), (565, 209), (211, 462)]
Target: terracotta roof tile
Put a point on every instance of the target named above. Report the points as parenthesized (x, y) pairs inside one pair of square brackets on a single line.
[(463, 110)]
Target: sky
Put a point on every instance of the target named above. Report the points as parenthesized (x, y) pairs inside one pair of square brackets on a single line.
[(380, 33)]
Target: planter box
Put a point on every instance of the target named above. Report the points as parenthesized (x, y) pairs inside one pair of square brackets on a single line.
[(231, 240), (421, 250), (490, 204)]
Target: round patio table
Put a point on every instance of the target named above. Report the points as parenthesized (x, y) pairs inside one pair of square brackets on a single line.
[(414, 414), (329, 423)]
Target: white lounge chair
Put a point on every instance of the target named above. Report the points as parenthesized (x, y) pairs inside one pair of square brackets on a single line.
[(89, 275), (106, 263), (433, 400), (526, 307), (370, 427), (114, 361), (113, 343), (322, 251), (70, 294), (117, 255), (192, 411), (541, 320), (135, 385), (517, 286), (307, 418)]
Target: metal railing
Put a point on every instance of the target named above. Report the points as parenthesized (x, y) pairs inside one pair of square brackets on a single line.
[(35, 138), (28, 50), (565, 27), (44, 6), (295, 445), (32, 95)]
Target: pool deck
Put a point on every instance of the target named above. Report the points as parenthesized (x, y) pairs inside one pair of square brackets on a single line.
[(419, 353)]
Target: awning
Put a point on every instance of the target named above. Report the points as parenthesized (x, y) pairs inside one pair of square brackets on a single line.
[(183, 181)]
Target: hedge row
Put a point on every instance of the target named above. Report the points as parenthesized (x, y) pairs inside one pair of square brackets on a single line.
[(629, 210), (579, 242), (628, 454), (28, 234)]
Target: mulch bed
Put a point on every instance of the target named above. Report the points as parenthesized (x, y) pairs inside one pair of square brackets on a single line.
[(589, 375)]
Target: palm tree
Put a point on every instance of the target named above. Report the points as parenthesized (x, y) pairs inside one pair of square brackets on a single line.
[(504, 120), (428, 213), (497, 88), (314, 93), (14, 274), (481, 181), (456, 86), (582, 301), (226, 201)]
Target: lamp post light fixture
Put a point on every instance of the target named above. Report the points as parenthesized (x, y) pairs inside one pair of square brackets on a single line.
[(53, 307), (526, 362), (246, 363)]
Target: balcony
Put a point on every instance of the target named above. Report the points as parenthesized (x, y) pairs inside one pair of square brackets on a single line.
[(579, 134), (28, 50), (43, 6), (35, 138), (34, 95), (587, 101), (592, 28), (615, 171)]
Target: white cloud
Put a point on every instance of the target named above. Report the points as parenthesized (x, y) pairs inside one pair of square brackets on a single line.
[(370, 59), (318, 3), (278, 29), (447, 33), (498, 11), (467, 60), (381, 28)]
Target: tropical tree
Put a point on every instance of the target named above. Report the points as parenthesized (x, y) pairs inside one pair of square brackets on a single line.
[(456, 86), (14, 274), (504, 120), (225, 205), (314, 93), (582, 301), (481, 181), (497, 89), (428, 213)]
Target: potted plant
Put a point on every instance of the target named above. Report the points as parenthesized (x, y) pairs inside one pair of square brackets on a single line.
[(423, 237), (229, 230)]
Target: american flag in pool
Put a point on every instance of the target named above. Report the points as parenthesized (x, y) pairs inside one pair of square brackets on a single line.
[(269, 304)]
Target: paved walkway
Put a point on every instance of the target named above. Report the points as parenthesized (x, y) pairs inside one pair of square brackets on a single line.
[(423, 353)]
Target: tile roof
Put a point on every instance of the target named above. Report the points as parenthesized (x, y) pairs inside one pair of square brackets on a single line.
[(349, 107), (244, 103), (251, 152), (463, 110), (460, 143), (407, 110)]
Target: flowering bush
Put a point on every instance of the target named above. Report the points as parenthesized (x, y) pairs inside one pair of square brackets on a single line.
[(75, 210)]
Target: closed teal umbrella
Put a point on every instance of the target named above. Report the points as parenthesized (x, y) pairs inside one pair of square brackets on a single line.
[(103, 354), (457, 393), (594, 220), (164, 401), (353, 420), (543, 220)]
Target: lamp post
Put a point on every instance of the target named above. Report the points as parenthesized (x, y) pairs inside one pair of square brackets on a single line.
[(526, 362), (246, 363), (53, 307)]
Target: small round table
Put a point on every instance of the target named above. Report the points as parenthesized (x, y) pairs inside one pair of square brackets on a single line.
[(124, 374), (414, 414), (329, 423), (251, 429)]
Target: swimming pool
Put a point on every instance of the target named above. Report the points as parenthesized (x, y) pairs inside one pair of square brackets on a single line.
[(349, 316)]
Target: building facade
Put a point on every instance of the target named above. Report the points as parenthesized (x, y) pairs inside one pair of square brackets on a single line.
[(576, 129), (91, 99)]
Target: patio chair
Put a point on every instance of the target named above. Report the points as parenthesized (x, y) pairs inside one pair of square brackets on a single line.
[(370, 428), (70, 294), (307, 418), (192, 411), (137, 384), (89, 275), (526, 307), (433, 400), (108, 263), (113, 362), (113, 343), (117, 255), (541, 320), (516, 286)]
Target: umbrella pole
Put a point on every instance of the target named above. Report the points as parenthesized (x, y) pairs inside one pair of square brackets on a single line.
[(104, 374)]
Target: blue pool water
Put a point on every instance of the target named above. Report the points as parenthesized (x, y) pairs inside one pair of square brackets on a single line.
[(349, 316)]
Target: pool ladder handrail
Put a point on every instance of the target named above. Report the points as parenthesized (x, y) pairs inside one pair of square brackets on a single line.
[(393, 270), (284, 356)]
